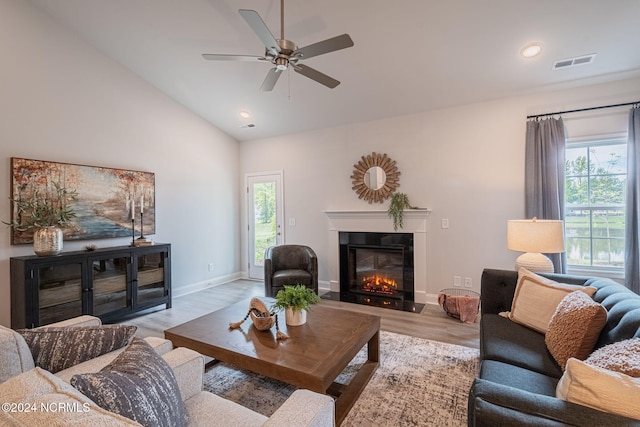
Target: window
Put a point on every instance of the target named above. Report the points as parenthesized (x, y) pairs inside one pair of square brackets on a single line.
[(595, 180)]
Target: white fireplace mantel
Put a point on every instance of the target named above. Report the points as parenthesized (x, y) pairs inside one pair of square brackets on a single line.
[(378, 221), (415, 221)]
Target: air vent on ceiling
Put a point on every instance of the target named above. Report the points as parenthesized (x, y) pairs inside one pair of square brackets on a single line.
[(573, 62), (247, 126)]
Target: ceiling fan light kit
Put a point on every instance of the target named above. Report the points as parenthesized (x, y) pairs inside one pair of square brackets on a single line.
[(284, 53)]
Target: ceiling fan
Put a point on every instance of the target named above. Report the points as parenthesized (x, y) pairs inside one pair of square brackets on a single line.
[(284, 53)]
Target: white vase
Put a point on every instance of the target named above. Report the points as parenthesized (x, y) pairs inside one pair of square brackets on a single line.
[(295, 317), (47, 241)]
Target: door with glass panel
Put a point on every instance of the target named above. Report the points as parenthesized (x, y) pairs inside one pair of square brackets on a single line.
[(264, 208)]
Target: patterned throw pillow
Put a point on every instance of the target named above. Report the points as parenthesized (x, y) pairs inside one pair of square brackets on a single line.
[(575, 327), (58, 348), (139, 385), (621, 356)]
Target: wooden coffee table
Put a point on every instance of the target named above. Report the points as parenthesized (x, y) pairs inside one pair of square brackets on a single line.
[(313, 356)]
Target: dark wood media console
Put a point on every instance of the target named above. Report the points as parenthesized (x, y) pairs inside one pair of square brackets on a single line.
[(110, 283)]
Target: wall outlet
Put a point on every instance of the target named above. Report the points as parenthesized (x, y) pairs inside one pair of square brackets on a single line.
[(210, 266), (457, 281), (467, 282), (444, 222), (292, 222)]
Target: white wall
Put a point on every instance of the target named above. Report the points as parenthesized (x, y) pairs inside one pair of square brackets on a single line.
[(62, 100), (465, 163)]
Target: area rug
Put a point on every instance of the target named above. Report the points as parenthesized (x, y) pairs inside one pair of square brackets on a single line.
[(418, 383)]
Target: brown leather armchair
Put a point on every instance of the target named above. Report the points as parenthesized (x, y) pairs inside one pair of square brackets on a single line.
[(289, 265)]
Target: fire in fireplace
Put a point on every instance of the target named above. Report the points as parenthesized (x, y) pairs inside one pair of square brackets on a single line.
[(376, 268), (379, 285)]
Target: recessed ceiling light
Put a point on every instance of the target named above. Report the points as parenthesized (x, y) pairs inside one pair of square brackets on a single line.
[(531, 50), (244, 114)]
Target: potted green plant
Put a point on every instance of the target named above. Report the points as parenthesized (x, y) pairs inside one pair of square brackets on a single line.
[(399, 202), (44, 214), (295, 300)]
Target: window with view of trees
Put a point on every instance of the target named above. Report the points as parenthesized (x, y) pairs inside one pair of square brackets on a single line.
[(265, 220), (595, 179)]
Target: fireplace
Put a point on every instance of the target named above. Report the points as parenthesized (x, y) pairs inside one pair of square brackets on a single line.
[(377, 269), (364, 222)]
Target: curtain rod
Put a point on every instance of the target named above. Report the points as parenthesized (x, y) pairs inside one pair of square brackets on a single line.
[(582, 109)]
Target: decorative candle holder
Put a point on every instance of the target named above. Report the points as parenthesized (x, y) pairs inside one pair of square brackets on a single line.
[(142, 241), (133, 232), (141, 228)]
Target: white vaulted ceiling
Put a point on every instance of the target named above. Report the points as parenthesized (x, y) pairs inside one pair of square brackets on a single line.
[(409, 55)]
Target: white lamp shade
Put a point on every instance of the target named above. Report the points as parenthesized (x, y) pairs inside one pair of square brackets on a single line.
[(535, 235)]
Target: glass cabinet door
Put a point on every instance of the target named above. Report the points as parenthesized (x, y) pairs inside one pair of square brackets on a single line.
[(150, 277), (60, 292), (110, 277)]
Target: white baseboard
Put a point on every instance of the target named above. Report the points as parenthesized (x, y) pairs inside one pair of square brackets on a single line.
[(431, 299), (425, 298), (195, 287), (324, 285)]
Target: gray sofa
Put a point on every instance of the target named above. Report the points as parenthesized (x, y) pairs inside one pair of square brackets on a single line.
[(23, 384), (517, 381)]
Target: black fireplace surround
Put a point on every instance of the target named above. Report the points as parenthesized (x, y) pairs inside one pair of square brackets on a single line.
[(377, 269)]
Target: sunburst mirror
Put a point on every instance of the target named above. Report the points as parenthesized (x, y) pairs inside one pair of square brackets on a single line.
[(375, 177)]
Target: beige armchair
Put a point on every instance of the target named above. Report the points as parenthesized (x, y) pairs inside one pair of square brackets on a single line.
[(289, 265)]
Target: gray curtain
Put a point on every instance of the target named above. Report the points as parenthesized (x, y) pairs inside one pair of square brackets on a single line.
[(632, 216), (544, 175)]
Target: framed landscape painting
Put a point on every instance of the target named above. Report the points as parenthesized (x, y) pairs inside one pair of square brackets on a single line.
[(107, 198)]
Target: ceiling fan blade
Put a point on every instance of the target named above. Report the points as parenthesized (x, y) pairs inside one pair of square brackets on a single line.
[(271, 80), (325, 46), (221, 57), (260, 28), (316, 75)]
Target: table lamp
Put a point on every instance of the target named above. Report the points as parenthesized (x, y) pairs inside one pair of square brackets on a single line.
[(535, 237)]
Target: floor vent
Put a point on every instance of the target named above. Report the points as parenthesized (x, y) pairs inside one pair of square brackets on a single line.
[(573, 62)]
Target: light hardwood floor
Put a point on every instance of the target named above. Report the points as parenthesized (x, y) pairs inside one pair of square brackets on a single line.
[(431, 324)]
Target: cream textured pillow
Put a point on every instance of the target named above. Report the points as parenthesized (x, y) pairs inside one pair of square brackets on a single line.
[(622, 356), (42, 399), (536, 298), (575, 327), (15, 356), (600, 389)]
